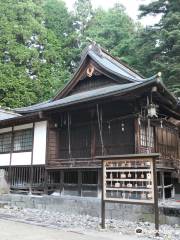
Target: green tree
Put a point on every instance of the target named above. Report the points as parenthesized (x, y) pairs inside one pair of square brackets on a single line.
[(159, 45), (31, 65), (60, 22), (114, 30), (83, 13)]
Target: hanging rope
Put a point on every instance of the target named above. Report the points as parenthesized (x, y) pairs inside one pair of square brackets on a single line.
[(100, 122)]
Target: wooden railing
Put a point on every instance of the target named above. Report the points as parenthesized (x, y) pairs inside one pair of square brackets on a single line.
[(73, 163), (168, 163), (167, 159)]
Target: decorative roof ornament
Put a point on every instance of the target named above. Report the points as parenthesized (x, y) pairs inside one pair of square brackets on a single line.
[(95, 47), (90, 70), (159, 74), (159, 79)]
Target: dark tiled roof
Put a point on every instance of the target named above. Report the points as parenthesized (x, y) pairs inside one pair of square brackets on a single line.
[(7, 114), (114, 67), (107, 62), (86, 96)]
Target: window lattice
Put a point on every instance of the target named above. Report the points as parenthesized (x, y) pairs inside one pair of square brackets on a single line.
[(22, 140), (147, 136), (5, 142)]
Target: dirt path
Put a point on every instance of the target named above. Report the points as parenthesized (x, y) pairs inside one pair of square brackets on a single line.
[(10, 230)]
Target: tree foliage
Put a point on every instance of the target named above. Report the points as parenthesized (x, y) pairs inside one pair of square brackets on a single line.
[(41, 43), (159, 45), (60, 22), (31, 65), (83, 13), (114, 30)]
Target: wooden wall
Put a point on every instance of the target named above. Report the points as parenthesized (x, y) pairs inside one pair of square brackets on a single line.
[(92, 83), (81, 139)]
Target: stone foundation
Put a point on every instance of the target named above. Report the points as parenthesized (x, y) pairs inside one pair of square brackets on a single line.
[(92, 207)]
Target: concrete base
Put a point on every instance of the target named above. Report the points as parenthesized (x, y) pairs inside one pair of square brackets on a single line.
[(92, 207), (4, 187)]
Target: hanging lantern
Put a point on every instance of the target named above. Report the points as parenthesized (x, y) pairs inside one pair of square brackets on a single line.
[(152, 110), (122, 126)]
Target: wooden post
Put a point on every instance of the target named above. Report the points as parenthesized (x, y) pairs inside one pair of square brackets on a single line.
[(137, 133), (45, 181), (31, 169), (103, 214), (10, 168), (99, 184), (46, 160), (61, 181), (102, 201), (162, 182), (156, 209), (79, 182)]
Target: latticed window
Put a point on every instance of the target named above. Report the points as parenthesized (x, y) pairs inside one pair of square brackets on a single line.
[(5, 142), (147, 136), (23, 140)]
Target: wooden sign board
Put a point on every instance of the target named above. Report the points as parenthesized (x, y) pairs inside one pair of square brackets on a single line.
[(128, 180)]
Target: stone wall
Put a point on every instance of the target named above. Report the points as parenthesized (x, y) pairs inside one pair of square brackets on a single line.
[(92, 207)]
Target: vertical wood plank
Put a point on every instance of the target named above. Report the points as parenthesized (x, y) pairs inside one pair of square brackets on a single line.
[(61, 181)]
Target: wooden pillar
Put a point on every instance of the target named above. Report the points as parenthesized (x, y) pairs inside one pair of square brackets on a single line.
[(99, 183), (61, 182), (93, 140), (10, 169), (31, 169), (173, 187), (45, 181), (103, 206), (156, 208), (80, 182), (162, 184), (137, 135), (46, 160)]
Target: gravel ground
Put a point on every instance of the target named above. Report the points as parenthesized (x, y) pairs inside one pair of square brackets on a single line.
[(86, 224), (23, 231)]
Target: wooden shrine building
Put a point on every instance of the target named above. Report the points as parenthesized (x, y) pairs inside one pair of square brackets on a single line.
[(107, 108)]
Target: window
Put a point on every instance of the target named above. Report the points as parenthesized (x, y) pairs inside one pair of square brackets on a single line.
[(147, 136), (22, 140), (5, 143)]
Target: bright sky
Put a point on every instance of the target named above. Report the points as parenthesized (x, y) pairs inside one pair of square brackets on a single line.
[(130, 5)]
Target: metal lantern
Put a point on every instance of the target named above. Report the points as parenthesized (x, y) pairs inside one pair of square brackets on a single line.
[(152, 110)]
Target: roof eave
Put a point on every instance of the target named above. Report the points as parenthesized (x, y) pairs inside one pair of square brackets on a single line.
[(120, 92)]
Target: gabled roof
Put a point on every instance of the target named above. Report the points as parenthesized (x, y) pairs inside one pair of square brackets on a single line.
[(134, 84), (104, 62), (6, 114)]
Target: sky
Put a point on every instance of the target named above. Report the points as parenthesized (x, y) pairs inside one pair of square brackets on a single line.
[(130, 5)]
